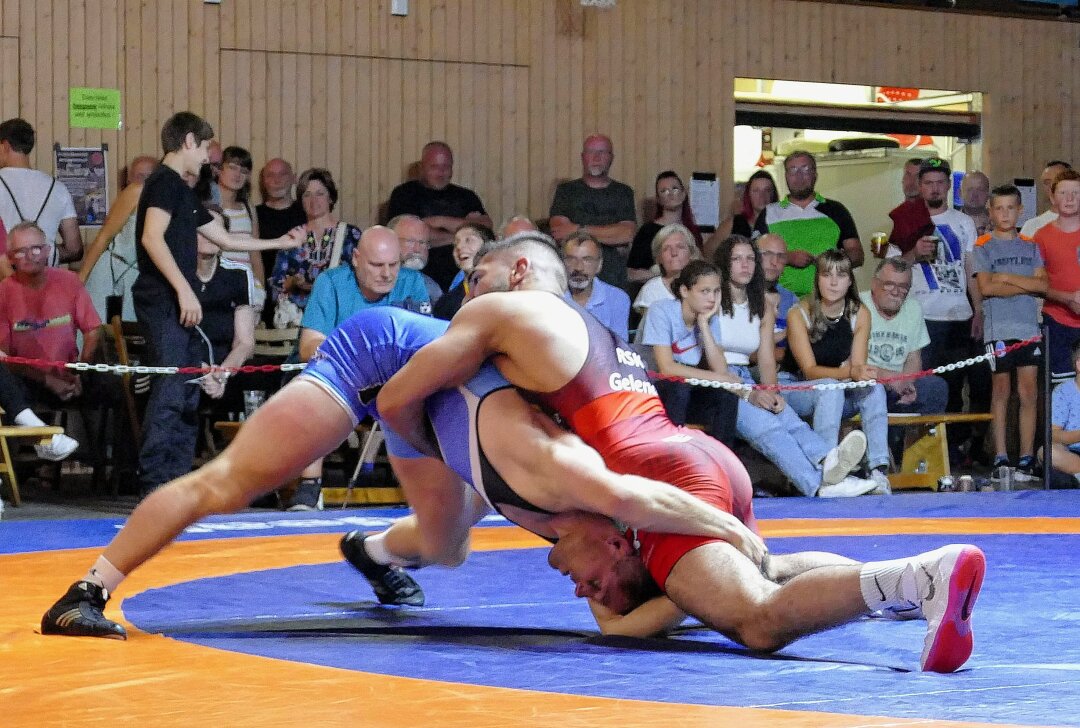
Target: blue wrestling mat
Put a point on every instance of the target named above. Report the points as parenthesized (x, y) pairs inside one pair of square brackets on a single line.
[(505, 619)]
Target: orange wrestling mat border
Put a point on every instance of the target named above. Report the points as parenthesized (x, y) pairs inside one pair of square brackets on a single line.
[(156, 681)]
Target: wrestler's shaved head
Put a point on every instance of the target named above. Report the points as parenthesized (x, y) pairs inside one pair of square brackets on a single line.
[(546, 266)]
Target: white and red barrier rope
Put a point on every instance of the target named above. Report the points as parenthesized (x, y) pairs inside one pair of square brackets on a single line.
[(254, 368)]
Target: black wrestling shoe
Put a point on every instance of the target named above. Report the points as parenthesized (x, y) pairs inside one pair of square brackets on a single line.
[(79, 613), (391, 584)]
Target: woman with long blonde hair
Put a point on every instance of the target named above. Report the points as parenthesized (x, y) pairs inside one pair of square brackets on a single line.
[(828, 340)]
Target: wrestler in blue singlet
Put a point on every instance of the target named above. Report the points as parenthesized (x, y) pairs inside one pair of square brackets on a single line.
[(364, 352)]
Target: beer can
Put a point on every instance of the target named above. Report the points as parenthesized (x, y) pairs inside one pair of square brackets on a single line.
[(965, 484)]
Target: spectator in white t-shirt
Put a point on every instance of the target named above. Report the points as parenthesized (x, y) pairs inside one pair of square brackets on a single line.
[(941, 272), (1053, 170), (27, 194)]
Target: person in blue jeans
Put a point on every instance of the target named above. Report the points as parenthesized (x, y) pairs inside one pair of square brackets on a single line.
[(828, 339), (716, 319)]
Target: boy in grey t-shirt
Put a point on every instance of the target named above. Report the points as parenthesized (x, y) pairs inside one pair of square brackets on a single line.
[(1010, 274)]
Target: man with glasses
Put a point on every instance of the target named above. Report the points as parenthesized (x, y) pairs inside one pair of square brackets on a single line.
[(610, 305), (415, 238), (42, 310), (30, 194), (810, 223), (897, 337)]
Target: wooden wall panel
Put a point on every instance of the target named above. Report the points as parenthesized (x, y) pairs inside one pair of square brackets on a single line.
[(513, 85), (371, 118)]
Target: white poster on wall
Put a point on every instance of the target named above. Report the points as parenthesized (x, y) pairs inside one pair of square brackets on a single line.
[(705, 200)]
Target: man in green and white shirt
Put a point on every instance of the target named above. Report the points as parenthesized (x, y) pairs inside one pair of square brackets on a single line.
[(809, 223)]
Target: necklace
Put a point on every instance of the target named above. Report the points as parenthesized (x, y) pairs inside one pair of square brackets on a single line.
[(209, 277)]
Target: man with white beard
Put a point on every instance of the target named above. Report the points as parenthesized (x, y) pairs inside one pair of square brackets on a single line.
[(415, 237), (583, 257)]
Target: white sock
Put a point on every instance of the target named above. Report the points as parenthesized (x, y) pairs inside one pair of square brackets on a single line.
[(104, 574), (882, 584), (376, 549), (27, 418)]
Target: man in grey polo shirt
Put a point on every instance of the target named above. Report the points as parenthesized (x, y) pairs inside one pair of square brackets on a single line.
[(601, 206)]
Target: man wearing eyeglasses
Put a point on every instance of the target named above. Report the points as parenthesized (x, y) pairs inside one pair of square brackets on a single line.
[(610, 305), (415, 237), (42, 309), (897, 336), (30, 194), (810, 223)]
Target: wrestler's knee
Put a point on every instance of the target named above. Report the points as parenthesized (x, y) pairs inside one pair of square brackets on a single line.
[(221, 487), (760, 635)]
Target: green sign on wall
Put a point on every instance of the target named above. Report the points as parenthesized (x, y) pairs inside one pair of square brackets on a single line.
[(94, 108)]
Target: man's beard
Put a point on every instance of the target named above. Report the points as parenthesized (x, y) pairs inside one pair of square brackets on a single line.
[(936, 204), (803, 194), (578, 284), (413, 261)]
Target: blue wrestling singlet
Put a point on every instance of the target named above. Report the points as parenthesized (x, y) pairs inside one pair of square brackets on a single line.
[(364, 352)]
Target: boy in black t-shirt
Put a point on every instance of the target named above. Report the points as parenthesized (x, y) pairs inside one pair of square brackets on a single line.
[(168, 217)]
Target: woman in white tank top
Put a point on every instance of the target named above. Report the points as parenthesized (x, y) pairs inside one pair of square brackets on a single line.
[(765, 421), (234, 181)]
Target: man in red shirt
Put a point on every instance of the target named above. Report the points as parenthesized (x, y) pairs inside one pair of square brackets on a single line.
[(42, 309), (1059, 244)]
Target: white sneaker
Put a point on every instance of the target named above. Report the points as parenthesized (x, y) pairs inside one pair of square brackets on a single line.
[(58, 448), (882, 487), (947, 583), (843, 458), (849, 487)]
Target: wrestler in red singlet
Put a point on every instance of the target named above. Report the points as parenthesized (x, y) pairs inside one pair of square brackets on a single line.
[(611, 404)]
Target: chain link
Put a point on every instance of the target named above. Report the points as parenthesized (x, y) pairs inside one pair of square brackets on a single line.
[(694, 381)]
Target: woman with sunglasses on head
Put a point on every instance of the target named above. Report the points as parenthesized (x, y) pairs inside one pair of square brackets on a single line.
[(828, 338)]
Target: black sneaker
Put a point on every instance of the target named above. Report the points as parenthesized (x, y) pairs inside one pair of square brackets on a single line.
[(79, 613), (1001, 461), (391, 584)]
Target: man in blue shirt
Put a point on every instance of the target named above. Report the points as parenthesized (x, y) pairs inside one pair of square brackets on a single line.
[(374, 278), (610, 305)]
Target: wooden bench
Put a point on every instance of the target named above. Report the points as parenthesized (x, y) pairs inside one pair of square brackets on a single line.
[(7, 465), (930, 446)]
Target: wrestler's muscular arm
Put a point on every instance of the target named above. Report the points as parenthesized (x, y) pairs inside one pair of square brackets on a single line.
[(654, 618), (536, 355), (555, 470)]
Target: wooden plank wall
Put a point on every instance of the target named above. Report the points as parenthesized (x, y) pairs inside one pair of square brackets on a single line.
[(512, 85)]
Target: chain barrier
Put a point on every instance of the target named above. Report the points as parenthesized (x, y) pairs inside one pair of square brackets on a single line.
[(731, 386), (742, 387)]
